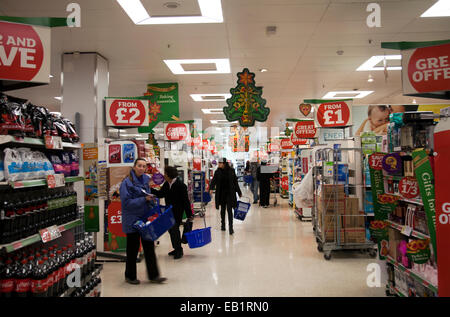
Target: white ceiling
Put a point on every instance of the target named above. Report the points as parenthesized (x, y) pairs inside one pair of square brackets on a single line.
[(301, 57)]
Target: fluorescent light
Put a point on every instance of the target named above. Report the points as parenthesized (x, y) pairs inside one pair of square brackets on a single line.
[(370, 80), (213, 111), (263, 70), (211, 12), (349, 94), (220, 121), (222, 66), (58, 98), (198, 97), (439, 9), (50, 76), (374, 60)]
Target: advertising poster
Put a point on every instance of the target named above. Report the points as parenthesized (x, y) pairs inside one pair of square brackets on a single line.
[(163, 104), (90, 166), (121, 153)]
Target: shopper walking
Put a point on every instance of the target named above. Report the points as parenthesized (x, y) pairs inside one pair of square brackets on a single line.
[(175, 193), (254, 186), (135, 198), (225, 181), (264, 185)]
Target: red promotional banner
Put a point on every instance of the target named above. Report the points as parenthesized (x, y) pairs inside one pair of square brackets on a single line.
[(176, 131), (298, 141), (333, 114), (409, 187), (126, 112), (305, 129), (285, 183), (274, 147), (115, 219), (428, 69), (24, 52), (442, 193), (286, 144)]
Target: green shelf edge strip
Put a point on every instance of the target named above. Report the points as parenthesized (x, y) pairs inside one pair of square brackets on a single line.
[(414, 233), (411, 45), (40, 21), (10, 247), (325, 100), (42, 182), (414, 275)]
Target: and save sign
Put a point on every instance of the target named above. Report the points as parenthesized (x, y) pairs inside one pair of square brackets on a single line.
[(426, 69), (286, 144), (333, 114), (298, 141), (126, 112), (24, 52), (305, 129), (176, 131)]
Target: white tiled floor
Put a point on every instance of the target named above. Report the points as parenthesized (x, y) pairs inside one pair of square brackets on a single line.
[(272, 253)]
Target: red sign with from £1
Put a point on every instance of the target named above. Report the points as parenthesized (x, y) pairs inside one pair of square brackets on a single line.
[(333, 114), (376, 161), (409, 187), (286, 144), (126, 113), (305, 129), (176, 132), (21, 52), (298, 141), (285, 183), (115, 218), (429, 68)]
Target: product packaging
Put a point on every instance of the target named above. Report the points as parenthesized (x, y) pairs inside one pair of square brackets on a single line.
[(129, 153), (65, 159), (115, 154), (57, 164), (74, 164)]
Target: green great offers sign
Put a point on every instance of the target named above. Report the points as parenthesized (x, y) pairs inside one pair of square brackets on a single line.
[(163, 104)]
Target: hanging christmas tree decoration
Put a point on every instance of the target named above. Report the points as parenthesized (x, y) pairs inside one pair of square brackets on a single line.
[(151, 140), (288, 131), (246, 103)]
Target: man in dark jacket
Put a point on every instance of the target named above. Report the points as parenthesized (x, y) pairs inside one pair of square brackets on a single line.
[(175, 193), (264, 186), (226, 184)]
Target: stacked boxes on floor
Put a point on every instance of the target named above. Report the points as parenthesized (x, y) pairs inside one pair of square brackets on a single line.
[(338, 211)]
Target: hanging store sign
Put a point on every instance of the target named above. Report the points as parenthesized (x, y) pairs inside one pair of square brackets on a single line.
[(273, 147), (286, 144), (333, 114), (285, 183), (298, 141), (305, 129), (426, 69), (125, 112), (176, 131), (24, 52)]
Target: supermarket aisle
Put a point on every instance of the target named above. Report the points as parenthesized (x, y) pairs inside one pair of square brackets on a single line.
[(272, 253)]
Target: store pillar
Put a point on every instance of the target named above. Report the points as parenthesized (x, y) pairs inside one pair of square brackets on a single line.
[(84, 82)]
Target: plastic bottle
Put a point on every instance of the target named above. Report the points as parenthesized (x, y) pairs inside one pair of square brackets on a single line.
[(39, 286), (22, 286), (55, 272), (79, 257), (61, 271), (66, 259), (6, 219), (49, 273), (7, 280)]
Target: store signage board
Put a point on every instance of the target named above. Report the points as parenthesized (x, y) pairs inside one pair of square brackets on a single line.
[(286, 144), (25, 52), (426, 69), (298, 141), (176, 131), (56, 180), (273, 147), (305, 129), (121, 153), (124, 112), (334, 114)]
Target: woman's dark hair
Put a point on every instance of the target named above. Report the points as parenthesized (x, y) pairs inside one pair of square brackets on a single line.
[(171, 172)]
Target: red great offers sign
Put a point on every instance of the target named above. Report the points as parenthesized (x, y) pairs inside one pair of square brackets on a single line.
[(126, 112), (305, 129), (426, 69), (298, 141), (24, 52), (176, 131)]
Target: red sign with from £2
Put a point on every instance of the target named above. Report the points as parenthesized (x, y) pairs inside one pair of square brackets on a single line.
[(286, 144), (429, 68), (128, 113), (176, 132), (376, 161), (298, 141), (333, 114), (305, 129), (21, 52), (409, 187)]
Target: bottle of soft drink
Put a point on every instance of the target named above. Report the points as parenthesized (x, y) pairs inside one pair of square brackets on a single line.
[(6, 220), (71, 259), (66, 262), (53, 270), (61, 271), (7, 280), (39, 285), (79, 258), (23, 280)]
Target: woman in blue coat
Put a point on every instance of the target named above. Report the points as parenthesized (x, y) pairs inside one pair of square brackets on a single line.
[(135, 198)]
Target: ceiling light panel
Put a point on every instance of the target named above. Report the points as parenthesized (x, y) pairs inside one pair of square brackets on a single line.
[(371, 63), (211, 12), (213, 111), (347, 94), (210, 97), (439, 9), (222, 66)]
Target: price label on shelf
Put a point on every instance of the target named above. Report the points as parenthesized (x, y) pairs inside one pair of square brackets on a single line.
[(409, 187), (53, 142), (126, 112), (407, 230), (56, 180), (49, 234)]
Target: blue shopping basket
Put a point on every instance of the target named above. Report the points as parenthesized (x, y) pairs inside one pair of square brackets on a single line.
[(199, 237), (242, 208), (248, 179), (151, 231)]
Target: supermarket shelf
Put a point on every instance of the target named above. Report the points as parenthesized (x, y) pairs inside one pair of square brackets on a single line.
[(415, 276), (33, 141), (370, 214), (414, 233), (16, 245), (39, 182)]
